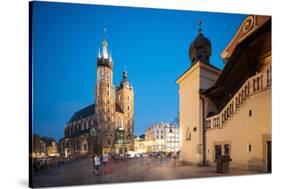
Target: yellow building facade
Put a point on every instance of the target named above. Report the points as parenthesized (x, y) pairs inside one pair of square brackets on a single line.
[(228, 112), (140, 145)]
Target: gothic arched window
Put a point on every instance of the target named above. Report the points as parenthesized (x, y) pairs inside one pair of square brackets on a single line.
[(119, 123), (102, 73)]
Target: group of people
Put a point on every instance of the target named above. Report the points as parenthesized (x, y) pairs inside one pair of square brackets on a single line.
[(39, 163), (98, 159)]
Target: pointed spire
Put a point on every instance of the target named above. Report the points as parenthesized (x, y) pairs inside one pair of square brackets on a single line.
[(110, 56), (99, 56), (200, 23), (104, 34), (104, 46)]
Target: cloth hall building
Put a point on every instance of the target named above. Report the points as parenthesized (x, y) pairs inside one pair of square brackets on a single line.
[(228, 111), (108, 124)]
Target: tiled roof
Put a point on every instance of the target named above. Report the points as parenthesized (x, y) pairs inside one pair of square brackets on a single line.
[(83, 113)]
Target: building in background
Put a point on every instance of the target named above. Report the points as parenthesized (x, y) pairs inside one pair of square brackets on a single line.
[(140, 144), (52, 150), (162, 137), (171, 139), (39, 148), (107, 125), (44, 146), (228, 112)]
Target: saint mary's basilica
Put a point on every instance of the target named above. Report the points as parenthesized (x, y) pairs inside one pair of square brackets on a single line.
[(108, 124)]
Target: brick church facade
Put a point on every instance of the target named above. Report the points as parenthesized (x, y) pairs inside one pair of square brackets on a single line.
[(108, 124)]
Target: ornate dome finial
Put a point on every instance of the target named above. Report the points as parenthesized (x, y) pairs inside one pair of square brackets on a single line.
[(200, 49), (200, 24), (125, 75), (124, 82)]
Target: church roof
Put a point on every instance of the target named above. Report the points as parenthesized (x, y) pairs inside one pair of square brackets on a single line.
[(83, 113), (249, 25), (241, 62)]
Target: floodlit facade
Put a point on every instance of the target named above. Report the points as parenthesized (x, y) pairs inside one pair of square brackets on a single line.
[(107, 125), (162, 137), (228, 112), (140, 145)]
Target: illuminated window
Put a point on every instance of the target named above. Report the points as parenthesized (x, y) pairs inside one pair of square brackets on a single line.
[(120, 123), (249, 147), (85, 147), (226, 149), (108, 75), (102, 73)]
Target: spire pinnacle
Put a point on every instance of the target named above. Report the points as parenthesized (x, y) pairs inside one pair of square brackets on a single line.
[(104, 33), (200, 24), (104, 46), (110, 56), (99, 56)]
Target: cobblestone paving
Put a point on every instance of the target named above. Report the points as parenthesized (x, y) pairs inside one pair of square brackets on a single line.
[(81, 172)]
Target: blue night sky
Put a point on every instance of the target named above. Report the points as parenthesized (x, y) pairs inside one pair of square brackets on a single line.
[(152, 45)]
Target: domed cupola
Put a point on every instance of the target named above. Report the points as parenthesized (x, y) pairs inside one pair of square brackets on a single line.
[(200, 49), (125, 83)]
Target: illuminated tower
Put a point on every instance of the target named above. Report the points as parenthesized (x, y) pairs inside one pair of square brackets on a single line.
[(125, 100), (105, 96)]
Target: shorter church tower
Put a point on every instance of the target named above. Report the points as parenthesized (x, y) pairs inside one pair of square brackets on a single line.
[(201, 75), (125, 101)]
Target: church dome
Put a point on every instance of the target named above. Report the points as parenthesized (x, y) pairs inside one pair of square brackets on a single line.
[(200, 49)]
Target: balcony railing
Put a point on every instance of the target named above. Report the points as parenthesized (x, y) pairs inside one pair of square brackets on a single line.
[(255, 84)]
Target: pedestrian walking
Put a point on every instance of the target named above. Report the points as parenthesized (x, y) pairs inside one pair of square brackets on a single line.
[(96, 162), (105, 161)]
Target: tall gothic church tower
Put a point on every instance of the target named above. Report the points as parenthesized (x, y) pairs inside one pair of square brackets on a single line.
[(105, 97)]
